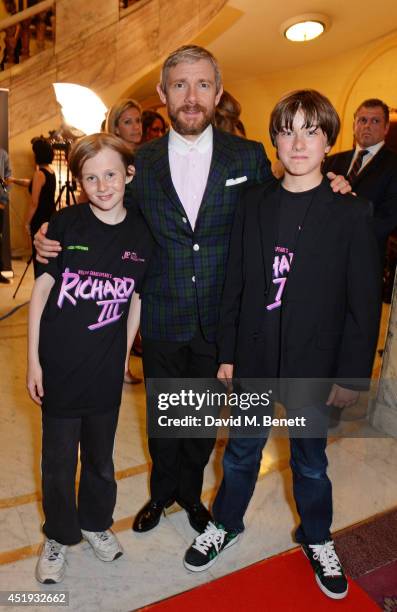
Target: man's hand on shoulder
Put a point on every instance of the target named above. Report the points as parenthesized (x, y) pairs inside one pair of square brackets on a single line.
[(339, 184), (45, 247)]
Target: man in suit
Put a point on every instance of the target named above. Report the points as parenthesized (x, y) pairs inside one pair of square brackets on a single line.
[(187, 185), (371, 167), (301, 301)]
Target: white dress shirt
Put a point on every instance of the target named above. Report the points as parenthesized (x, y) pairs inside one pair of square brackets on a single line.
[(190, 165), (372, 151)]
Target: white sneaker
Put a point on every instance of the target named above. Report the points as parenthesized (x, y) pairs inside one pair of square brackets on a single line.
[(104, 543), (51, 565)]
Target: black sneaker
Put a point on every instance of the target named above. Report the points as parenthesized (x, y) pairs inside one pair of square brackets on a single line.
[(329, 572), (4, 280), (207, 546)]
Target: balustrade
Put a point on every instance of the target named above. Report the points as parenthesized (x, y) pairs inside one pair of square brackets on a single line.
[(124, 4), (26, 30)]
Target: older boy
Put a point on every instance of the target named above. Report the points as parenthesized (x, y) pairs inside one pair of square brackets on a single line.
[(316, 316)]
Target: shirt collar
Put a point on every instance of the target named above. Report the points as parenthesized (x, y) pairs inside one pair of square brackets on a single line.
[(182, 146), (372, 149)]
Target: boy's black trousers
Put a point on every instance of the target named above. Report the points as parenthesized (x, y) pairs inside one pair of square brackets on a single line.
[(64, 518)]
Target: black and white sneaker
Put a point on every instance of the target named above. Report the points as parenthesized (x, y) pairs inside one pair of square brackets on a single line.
[(330, 576), (4, 280), (207, 546)]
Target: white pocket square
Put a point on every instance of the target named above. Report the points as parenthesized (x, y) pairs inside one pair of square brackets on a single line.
[(236, 181)]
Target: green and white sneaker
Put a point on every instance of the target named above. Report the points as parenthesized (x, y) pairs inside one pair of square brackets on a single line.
[(330, 576), (51, 565), (207, 547), (104, 543)]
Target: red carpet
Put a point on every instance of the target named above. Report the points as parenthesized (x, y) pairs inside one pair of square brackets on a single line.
[(284, 583)]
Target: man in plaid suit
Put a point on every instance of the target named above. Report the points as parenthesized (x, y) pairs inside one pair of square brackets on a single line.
[(187, 185)]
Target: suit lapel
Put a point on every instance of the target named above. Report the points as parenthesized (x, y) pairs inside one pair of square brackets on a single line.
[(371, 167), (220, 166), (161, 167), (346, 162)]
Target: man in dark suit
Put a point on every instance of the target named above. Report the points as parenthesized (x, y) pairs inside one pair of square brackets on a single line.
[(301, 301), (371, 167), (187, 185)]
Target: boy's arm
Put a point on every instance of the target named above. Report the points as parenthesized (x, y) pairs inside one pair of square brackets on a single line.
[(134, 315), (38, 300), (44, 246), (363, 307)]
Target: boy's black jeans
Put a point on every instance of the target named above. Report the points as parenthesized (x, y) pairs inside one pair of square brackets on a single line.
[(97, 489)]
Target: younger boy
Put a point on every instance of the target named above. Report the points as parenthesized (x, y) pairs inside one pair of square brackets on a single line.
[(315, 316), (83, 316)]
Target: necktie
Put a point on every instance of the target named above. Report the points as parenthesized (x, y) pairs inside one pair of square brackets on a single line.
[(356, 167)]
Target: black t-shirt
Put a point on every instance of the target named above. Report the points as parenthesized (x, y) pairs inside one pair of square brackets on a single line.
[(293, 208), (83, 338)]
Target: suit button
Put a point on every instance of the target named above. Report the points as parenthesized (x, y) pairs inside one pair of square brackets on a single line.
[(193, 279), (184, 219), (196, 247)]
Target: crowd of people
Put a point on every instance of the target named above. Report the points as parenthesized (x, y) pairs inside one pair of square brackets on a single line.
[(231, 274)]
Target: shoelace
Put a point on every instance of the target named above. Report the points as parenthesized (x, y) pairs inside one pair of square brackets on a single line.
[(103, 536), (326, 555), (53, 550), (211, 536)]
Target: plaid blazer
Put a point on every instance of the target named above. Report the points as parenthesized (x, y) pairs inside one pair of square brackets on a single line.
[(185, 278)]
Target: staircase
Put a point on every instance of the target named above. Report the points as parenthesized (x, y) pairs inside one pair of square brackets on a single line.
[(106, 45)]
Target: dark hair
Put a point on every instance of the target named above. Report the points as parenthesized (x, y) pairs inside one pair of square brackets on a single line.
[(372, 103), (88, 146), (148, 118), (239, 127), (227, 114), (42, 150), (316, 108)]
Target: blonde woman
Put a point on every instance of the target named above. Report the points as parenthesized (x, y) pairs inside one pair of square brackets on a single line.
[(125, 120)]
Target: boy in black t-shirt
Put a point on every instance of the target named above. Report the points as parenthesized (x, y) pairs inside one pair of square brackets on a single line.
[(83, 317), (301, 301)]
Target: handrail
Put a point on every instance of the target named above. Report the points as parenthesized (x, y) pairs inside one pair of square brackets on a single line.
[(26, 14)]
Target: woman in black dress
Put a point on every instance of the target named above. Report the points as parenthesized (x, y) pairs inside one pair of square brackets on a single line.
[(42, 190)]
